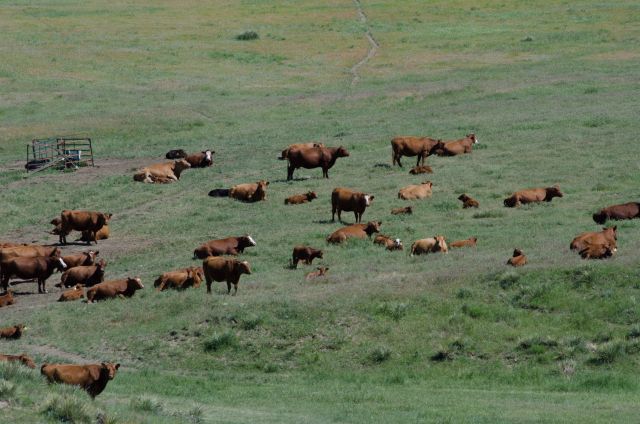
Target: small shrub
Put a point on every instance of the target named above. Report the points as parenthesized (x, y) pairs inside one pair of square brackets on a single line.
[(219, 341), (607, 353), (395, 311), (195, 415), (489, 214), (247, 36), (7, 389), (634, 333), (507, 279), (145, 404), (250, 323), (464, 293), (270, 368), (442, 355), (537, 345), (380, 355), (67, 408)]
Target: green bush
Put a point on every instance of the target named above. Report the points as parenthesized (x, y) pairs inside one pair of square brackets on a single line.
[(247, 35), (67, 408), (220, 341)]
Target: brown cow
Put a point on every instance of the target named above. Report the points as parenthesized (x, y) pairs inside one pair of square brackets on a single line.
[(321, 271), (82, 258), (24, 359), (6, 244), (200, 159), (29, 251), (624, 211), (82, 221), (176, 154), (457, 147), (422, 169), (532, 195), (227, 246), (77, 292), (389, 242), (180, 280), (102, 234), (416, 191), (298, 199), (412, 146), (360, 231), (344, 199), (87, 276), (93, 378), (250, 192), (597, 251), (7, 299), (285, 153), (125, 287), (606, 237), (470, 242), (518, 258), (14, 332), (305, 254), (315, 157), (429, 245), (224, 269), (40, 268), (407, 210), (468, 202), (166, 172)]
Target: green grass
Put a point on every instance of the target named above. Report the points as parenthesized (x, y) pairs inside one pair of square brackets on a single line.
[(549, 88)]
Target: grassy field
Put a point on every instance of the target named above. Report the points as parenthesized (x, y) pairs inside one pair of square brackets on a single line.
[(549, 88)]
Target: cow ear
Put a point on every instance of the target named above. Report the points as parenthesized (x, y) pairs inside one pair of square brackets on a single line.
[(117, 366)]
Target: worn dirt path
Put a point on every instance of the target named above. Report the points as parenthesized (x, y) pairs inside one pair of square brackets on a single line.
[(373, 45)]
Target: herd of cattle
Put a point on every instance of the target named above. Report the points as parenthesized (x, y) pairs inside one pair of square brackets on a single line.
[(83, 270)]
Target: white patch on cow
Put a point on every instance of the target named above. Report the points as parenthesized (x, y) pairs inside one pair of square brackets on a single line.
[(367, 199), (398, 242), (615, 249), (246, 263), (476, 141), (62, 263), (208, 154), (251, 240)]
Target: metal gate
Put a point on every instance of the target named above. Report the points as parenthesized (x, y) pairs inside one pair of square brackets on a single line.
[(59, 152)]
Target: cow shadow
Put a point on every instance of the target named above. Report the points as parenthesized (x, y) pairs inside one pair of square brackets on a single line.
[(382, 165), (324, 221), (284, 180)]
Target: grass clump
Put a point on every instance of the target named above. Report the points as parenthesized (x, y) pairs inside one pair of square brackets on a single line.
[(247, 36), (393, 310), (7, 389), (607, 353), (147, 405), (380, 354), (67, 408), (489, 214), (220, 341), (250, 323)]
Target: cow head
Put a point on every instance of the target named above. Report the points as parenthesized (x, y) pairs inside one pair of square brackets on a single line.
[(428, 183), (367, 199), (552, 192), (27, 361), (317, 254), (208, 156), (179, 166), (322, 270), (612, 232), (108, 370), (441, 244), (600, 217), (311, 195), (397, 245), (101, 265), (135, 283), (473, 138), (246, 241), (90, 257), (474, 239), (243, 267), (408, 209), (342, 152), (59, 263), (372, 227), (517, 252), (463, 197)]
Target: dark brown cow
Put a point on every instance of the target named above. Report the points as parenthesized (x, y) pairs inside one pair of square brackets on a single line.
[(429, 245), (180, 280), (224, 269), (23, 359), (29, 251), (344, 199), (532, 195), (389, 242), (7, 299), (200, 159), (457, 147), (176, 154), (468, 202), (77, 292), (299, 199), (360, 231), (82, 221), (407, 210), (87, 276), (14, 332), (321, 271), (518, 258), (102, 234), (93, 378), (40, 268), (166, 172), (607, 237), (82, 258), (250, 192), (305, 254), (125, 287), (412, 146), (470, 242), (227, 246), (423, 169), (285, 152), (597, 251), (315, 157), (617, 212)]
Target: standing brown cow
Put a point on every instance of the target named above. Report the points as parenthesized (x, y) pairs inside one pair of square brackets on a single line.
[(82, 221), (315, 157), (412, 146), (125, 287), (91, 377), (305, 254), (458, 147), (40, 268), (532, 195), (344, 199), (224, 269), (360, 231)]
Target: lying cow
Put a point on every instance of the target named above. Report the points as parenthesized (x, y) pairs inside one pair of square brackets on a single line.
[(422, 169), (122, 288), (6, 244), (518, 258), (87, 276), (344, 199), (227, 246), (617, 212), (429, 245), (14, 332), (180, 280), (388, 242), (321, 271), (597, 251), (75, 293), (73, 220), (224, 269), (299, 199), (470, 242), (315, 157), (176, 154), (416, 191), (468, 202), (457, 147), (79, 259), (7, 299), (23, 359), (102, 234), (250, 192), (92, 378), (532, 195), (166, 172), (285, 153), (606, 237), (305, 254), (407, 210), (200, 159), (360, 231), (413, 146), (39, 268)]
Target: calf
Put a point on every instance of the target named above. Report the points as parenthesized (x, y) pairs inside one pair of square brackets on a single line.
[(315, 157), (85, 275), (321, 271), (607, 237), (470, 242), (624, 211), (344, 199), (422, 169), (102, 234), (388, 242), (597, 251), (92, 378), (429, 245), (78, 259), (39, 268), (305, 254), (176, 154), (360, 231), (518, 258), (180, 280), (227, 246), (416, 191), (251, 192), (532, 195), (457, 147), (200, 159), (82, 221), (300, 198), (412, 146), (166, 172), (23, 359), (75, 293), (224, 269), (285, 153), (468, 202), (407, 210), (7, 299), (125, 287), (14, 332)]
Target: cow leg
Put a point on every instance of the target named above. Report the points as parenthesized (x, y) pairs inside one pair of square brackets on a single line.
[(290, 172), (398, 160), (295, 263), (358, 217), (235, 288), (228, 287), (333, 213), (340, 215), (325, 172), (420, 157)]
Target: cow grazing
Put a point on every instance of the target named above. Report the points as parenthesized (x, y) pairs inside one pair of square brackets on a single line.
[(468, 202), (14, 332), (470, 242), (429, 245), (83, 258), (125, 287), (315, 157), (412, 146), (607, 237), (82, 221), (407, 210), (23, 359), (532, 195), (176, 154), (321, 271), (360, 231), (92, 378), (416, 191), (299, 199), (422, 169), (180, 280), (344, 199), (457, 147), (224, 269), (617, 212), (75, 293), (305, 254), (102, 234), (166, 172), (389, 242), (250, 192), (285, 153), (39, 268), (227, 246), (200, 159), (7, 299), (518, 258), (87, 276)]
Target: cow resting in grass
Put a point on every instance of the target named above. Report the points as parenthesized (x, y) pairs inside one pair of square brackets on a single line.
[(180, 280), (517, 259), (7, 299), (532, 195), (416, 191), (80, 259), (360, 231), (389, 243), (629, 210), (407, 210), (22, 359), (468, 202), (299, 199), (457, 147), (200, 159), (75, 293), (429, 245), (470, 242), (166, 172), (320, 271), (14, 332), (125, 287)]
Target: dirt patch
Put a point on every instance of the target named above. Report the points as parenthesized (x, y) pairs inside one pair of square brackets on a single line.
[(373, 45)]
